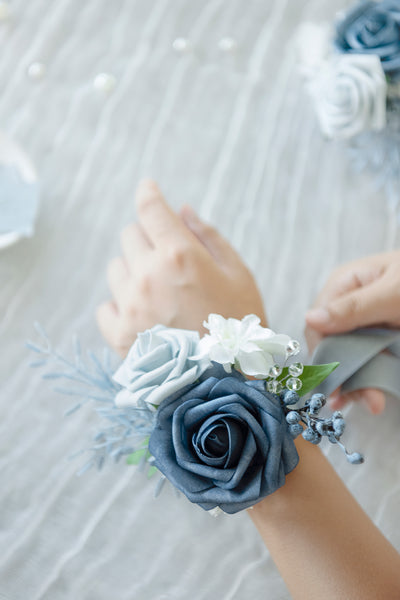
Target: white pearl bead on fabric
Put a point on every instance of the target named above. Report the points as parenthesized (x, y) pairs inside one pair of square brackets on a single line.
[(105, 82), (181, 45), (36, 71)]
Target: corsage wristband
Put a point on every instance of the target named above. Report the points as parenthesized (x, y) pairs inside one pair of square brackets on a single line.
[(215, 416)]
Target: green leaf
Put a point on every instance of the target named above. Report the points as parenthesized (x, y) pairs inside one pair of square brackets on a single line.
[(152, 471), (137, 456), (313, 375)]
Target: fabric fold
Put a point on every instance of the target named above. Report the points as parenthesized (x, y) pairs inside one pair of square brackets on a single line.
[(368, 358)]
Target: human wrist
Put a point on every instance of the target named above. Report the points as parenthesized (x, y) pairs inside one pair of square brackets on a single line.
[(297, 487)]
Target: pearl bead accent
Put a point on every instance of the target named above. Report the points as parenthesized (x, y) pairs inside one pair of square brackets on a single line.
[(105, 82), (227, 44), (36, 71), (5, 12), (181, 45)]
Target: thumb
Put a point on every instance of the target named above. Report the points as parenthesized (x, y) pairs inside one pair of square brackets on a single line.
[(359, 308), (209, 237)]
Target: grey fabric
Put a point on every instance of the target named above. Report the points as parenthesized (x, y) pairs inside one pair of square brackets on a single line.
[(368, 358)]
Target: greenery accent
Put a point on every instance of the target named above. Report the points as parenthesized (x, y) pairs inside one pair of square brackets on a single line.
[(311, 377), (140, 455)]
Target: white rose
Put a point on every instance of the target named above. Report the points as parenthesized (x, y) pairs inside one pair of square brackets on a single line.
[(160, 362), (349, 95), (243, 344)]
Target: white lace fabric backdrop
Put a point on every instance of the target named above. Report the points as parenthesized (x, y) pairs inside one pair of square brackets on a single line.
[(234, 136)]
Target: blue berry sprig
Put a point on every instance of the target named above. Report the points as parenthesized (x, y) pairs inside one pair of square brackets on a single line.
[(306, 421)]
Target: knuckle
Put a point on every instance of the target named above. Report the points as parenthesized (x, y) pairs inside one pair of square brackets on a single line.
[(207, 230), (178, 257)]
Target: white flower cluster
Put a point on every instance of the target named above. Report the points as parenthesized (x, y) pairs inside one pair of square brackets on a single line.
[(163, 361), (348, 91), (243, 344)]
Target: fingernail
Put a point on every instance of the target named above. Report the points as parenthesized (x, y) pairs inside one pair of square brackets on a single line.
[(318, 316)]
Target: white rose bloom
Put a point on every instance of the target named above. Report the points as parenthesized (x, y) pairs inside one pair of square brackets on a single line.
[(349, 95), (243, 344), (160, 362)]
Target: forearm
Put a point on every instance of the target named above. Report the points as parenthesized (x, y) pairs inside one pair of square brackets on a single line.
[(321, 540)]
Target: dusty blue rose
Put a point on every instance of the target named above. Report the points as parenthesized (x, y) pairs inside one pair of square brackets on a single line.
[(373, 28), (224, 442)]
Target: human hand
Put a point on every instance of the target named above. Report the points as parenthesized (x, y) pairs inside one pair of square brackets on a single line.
[(361, 293), (175, 270)]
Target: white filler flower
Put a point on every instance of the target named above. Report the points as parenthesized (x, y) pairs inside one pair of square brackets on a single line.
[(349, 95), (243, 344)]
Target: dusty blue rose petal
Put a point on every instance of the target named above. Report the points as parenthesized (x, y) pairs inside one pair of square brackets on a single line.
[(250, 392), (372, 28), (219, 441), (231, 501), (248, 426), (247, 457)]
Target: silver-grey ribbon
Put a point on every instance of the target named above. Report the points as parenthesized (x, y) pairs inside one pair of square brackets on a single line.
[(369, 358)]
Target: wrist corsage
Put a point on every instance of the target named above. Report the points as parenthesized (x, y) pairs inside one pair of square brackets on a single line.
[(352, 73), (216, 416)]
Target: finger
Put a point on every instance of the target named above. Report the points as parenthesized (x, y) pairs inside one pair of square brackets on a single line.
[(313, 338), (359, 308), (109, 323), (374, 400), (336, 401), (159, 222), (135, 245), (209, 237), (118, 278), (107, 318), (350, 277)]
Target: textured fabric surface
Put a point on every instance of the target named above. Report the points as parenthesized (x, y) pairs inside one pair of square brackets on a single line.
[(235, 137)]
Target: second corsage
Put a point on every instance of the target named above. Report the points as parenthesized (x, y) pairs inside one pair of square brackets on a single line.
[(352, 73)]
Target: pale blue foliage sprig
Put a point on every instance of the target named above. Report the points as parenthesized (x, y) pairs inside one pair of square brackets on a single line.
[(125, 430)]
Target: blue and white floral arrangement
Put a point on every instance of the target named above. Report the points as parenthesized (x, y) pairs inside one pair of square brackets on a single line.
[(216, 416), (352, 73)]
